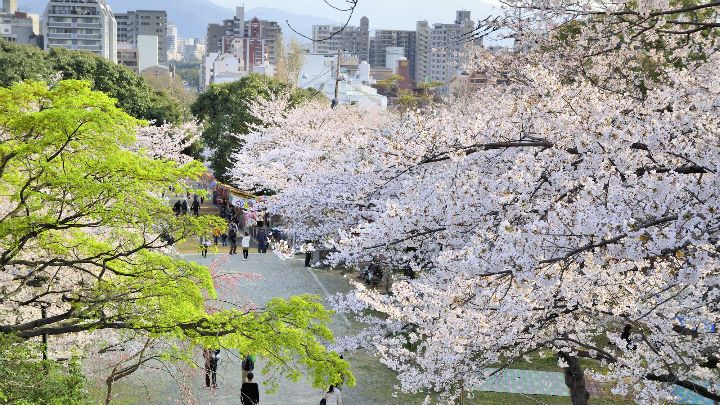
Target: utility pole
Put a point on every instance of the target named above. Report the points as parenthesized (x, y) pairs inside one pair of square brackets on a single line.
[(336, 100)]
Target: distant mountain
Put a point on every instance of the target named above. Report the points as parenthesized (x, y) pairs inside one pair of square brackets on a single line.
[(193, 16)]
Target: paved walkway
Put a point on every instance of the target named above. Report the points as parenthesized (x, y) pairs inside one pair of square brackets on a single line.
[(265, 276)]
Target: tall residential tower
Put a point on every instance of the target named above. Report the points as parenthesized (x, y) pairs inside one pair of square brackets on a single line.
[(87, 25)]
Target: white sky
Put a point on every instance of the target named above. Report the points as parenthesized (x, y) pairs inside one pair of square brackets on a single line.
[(383, 14)]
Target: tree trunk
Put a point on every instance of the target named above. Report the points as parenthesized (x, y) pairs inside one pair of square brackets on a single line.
[(108, 397), (575, 380)]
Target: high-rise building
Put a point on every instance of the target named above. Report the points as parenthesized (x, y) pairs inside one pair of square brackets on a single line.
[(237, 47), (393, 39), (449, 46), (422, 51), (172, 36), (234, 27), (9, 6), (328, 39), (135, 23), (87, 25)]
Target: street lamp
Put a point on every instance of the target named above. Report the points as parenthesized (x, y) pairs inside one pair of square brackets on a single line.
[(38, 284)]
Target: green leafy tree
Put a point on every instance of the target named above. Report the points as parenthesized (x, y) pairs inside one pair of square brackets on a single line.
[(84, 231), (27, 380), (188, 72), (19, 62), (224, 110), (133, 93)]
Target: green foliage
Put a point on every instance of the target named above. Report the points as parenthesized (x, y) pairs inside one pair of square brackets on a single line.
[(85, 214), (390, 84), (189, 72), (25, 379), (133, 94), (224, 109), (18, 62)]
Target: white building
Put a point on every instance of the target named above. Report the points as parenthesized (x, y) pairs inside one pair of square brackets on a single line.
[(19, 27), (318, 72), (87, 25), (394, 54), (172, 37), (148, 56), (226, 67), (327, 39), (449, 48), (8, 6)]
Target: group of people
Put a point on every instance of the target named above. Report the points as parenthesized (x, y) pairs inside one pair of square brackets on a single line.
[(249, 391), (229, 237), (181, 206)]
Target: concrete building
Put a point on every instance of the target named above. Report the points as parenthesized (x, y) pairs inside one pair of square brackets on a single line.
[(135, 23), (148, 55), (220, 38), (422, 52), (87, 25), (394, 54), (127, 55), (353, 40), (385, 39), (9, 6), (449, 47), (171, 39), (236, 48), (190, 49), (318, 73), (19, 27)]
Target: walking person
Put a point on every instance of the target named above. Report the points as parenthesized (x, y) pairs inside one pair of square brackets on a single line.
[(262, 239), (195, 207), (177, 208), (308, 248), (249, 392), (216, 235), (204, 245), (248, 365), (246, 245), (184, 207), (232, 233), (333, 396), (211, 362)]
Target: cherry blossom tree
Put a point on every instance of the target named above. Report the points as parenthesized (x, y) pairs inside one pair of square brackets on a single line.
[(575, 210)]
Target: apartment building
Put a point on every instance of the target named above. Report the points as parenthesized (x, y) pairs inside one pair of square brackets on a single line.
[(136, 23), (9, 6), (87, 25), (385, 39), (221, 37), (19, 27), (422, 51), (353, 40), (449, 45)]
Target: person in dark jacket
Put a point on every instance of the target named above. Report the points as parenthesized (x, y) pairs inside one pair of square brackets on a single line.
[(184, 207), (249, 392), (232, 234), (195, 207), (211, 362), (262, 240), (177, 208)]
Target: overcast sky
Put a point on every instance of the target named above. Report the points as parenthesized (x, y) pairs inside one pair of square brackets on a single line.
[(398, 14)]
